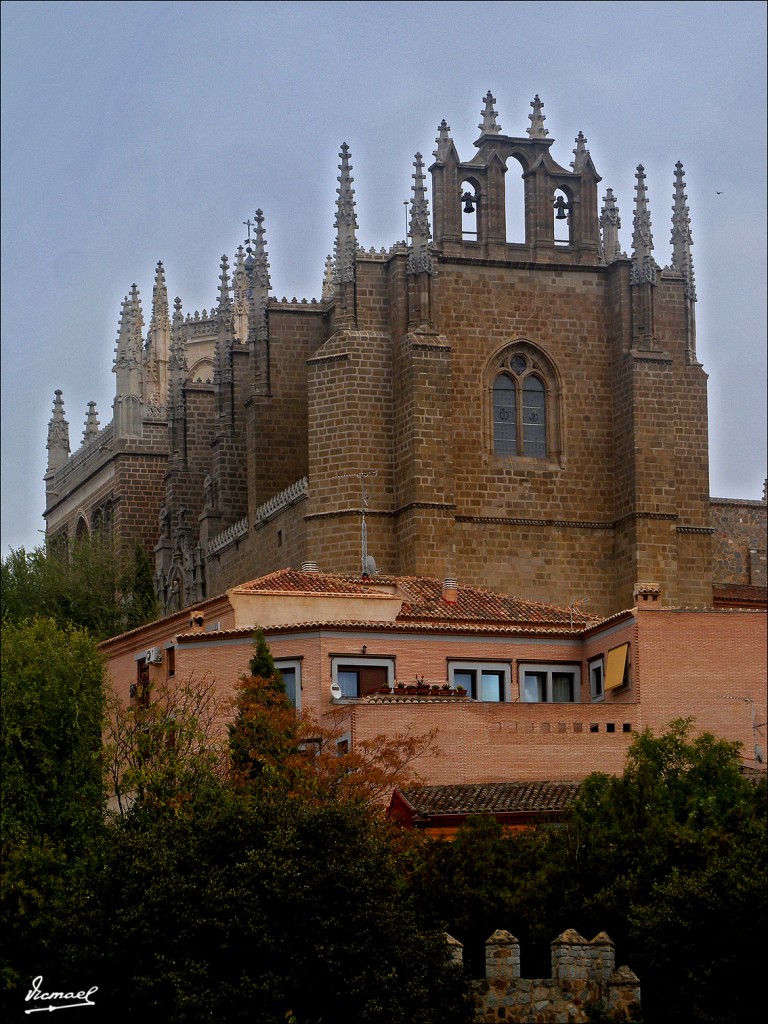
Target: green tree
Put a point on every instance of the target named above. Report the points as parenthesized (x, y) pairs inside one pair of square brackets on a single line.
[(93, 583), (143, 606), (51, 784), (52, 712), (261, 909), (265, 735), (162, 754), (670, 859)]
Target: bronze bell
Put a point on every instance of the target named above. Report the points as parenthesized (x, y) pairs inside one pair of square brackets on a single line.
[(469, 202), (561, 207)]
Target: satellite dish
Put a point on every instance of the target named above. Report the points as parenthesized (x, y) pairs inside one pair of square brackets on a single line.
[(759, 755), (370, 565), (336, 691)]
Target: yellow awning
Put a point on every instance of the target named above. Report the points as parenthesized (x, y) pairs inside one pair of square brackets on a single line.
[(615, 664)]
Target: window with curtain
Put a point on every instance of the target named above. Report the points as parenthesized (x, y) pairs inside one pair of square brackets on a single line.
[(550, 684)]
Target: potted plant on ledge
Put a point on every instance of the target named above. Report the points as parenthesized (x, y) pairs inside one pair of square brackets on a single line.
[(422, 686)]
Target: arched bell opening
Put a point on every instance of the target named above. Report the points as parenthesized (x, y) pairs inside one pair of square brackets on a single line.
[(514, 202), (562, 217), (470, 210)]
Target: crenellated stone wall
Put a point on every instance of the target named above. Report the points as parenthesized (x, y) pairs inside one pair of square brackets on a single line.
[(584, 979)]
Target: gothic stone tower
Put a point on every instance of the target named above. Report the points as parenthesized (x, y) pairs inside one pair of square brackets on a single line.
[(505, 397), (533, 409)]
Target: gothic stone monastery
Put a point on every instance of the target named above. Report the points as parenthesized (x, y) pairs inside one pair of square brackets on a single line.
[(524, 415)]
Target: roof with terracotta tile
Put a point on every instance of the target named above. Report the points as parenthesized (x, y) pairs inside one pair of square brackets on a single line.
[(491, 798), (422, 598)]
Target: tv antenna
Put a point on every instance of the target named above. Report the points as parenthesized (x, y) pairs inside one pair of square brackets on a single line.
[(759, 752), (367, 562), (575, 606)]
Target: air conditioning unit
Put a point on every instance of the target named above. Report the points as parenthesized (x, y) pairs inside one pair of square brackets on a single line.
[(153, 656)]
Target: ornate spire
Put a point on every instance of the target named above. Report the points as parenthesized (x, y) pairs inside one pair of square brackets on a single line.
[(259, 252), (177, 362), (419, 259), (327, 292), (137, 316), (129, 350), (443, 141), (257, 269), (345, 245), (610, 222), (240, 290), (222, 372), (225, 297), (682, 261), (489, 125), (643, 264), (580, 153), (91, 423), (160, 319), (58, 435), (537, 129)]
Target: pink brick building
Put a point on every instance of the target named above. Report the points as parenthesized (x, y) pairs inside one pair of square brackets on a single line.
[(551, 694)]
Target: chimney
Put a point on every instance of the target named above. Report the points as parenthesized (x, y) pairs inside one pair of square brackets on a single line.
[(450, 590), (647, 593), (197, 622), (309, 567)]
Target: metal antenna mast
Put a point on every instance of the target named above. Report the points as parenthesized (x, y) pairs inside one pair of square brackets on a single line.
[(363, 528)]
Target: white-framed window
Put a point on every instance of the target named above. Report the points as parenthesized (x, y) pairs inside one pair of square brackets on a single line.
[(550, 684), (290, 670), (360, 676), (596, 679), (483, 680)]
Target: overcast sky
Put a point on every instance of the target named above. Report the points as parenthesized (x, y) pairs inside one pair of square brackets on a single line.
[(138, 132)]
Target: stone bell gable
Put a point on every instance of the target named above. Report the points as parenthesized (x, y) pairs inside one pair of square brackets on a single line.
[(506, 396)]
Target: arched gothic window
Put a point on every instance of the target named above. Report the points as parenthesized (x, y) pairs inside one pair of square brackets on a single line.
[(524, 405)]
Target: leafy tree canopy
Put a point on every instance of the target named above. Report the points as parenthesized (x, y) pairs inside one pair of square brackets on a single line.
[(52, 712), (94, 584)]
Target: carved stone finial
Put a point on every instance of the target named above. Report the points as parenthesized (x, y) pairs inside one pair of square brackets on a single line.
[(129, 352), (177, 361), (160, 318), (178, 356), (91, 423), (682, 241), (257, 271), (610, 222), (643, 264), (537, 129), (419, 258), (345, 244), (489, 125), (58, 434), (261, 263), (225, 298), (580, 153), (328, 290), (443, 140)]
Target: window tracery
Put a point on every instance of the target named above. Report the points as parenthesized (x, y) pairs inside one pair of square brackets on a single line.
[(524, 404)]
